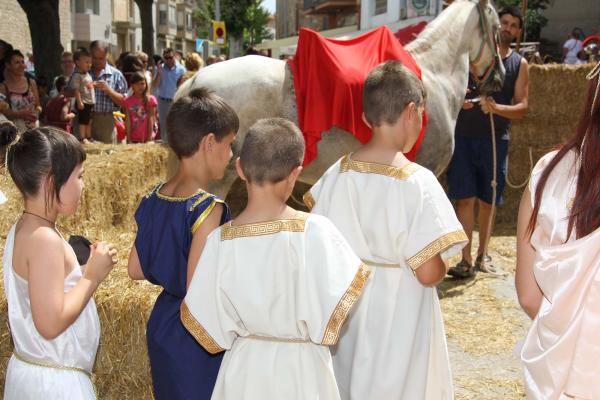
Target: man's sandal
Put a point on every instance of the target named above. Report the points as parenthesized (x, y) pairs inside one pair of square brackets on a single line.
[(462, 270), (484, 265)]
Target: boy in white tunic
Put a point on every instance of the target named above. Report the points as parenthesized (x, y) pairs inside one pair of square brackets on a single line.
[(398, 220), (274, 286)]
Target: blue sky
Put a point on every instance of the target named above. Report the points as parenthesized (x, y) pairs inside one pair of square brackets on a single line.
[(269, 5)]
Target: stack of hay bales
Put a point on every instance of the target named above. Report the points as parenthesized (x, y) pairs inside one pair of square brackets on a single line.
[(556, 96), (115, 177)]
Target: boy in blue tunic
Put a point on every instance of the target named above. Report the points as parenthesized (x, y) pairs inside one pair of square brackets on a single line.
[(173, 221)]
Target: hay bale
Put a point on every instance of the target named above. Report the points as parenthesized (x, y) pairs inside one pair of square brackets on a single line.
[(116, 177), (556, 96)]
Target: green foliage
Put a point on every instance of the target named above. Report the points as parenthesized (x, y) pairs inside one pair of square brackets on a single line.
[(258, 17), (534, 20), (244, 19)]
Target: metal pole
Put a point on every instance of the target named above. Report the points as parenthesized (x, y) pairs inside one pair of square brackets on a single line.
[(217, 10)]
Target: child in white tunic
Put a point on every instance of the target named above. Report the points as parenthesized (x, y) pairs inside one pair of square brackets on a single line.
[(398, 220), (52, 316), (274, 286)]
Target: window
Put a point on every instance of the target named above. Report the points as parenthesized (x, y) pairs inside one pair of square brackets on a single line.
[(87, 7), (162, 14), (180, 20), (172, 16), (188, 22), (380, 7)]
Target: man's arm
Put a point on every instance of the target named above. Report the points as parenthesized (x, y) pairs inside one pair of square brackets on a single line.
[(518, 109), (156, 80)]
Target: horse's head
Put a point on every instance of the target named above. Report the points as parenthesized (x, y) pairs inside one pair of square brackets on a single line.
[(484, 60)]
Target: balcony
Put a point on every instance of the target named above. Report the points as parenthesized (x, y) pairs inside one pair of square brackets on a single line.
[(319, 7)]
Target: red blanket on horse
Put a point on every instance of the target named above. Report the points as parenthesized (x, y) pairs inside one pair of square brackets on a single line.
[(329, 75)]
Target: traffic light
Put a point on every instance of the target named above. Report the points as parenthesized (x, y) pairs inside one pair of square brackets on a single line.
[(219, 32)]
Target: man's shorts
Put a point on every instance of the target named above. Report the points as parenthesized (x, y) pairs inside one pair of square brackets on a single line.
[(85, 115), (470, 172)]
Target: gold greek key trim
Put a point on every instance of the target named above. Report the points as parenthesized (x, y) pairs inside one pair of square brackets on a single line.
[(342, 309), (229, 231), (402, 174), (198, 331), (199, 201), (435, 247), (203, 216), (308, 200), (174, 198)]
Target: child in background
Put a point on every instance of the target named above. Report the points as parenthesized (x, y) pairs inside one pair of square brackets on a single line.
[(140, 109), (53, 320), (397, 218), (82, 83), (274, 286), (173, 221), (58, 110)]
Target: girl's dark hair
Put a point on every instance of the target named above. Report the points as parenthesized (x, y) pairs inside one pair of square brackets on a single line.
[(585, 213), (40, 153), (8, 134), (140, 77)]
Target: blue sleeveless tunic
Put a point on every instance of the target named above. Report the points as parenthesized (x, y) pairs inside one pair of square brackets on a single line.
[(181, 368), (474, 123)]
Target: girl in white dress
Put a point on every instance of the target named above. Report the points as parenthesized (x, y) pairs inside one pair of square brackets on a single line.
[(52, 316), (558, 264)]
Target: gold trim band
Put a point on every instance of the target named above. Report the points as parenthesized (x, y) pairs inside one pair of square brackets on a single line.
[(403, 173), (308, 200), (199, 201), (203, 216), (435, 247), (229, 231), (45, 364), (342, 309), (198, 331)]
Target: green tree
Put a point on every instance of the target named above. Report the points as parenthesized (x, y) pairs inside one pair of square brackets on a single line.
[(534, 20), (258, 17), (244, 19)]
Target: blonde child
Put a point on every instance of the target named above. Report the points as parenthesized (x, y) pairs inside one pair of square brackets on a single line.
[(140, 110), (53, 320), (398, 220), (173, 221), (83, 84), (274, 286)]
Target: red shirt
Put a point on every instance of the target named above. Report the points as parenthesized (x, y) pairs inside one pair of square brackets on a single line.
[(54, 115)]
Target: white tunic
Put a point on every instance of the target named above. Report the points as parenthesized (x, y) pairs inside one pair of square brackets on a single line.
[(274, 295), (75, 347), (395, 219)]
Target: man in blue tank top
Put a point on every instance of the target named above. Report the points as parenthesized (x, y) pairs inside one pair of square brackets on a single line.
[(470, 172)]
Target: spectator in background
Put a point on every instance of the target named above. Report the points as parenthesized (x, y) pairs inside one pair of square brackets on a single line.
[(29, 64), (67, 65), (5, 48), (179, 57), (58, 110), (145, 69), (193, 63), (572, 47), (42, 84), (110, 89), (83, 85), (212, 60), (21, 93), (168, 74)]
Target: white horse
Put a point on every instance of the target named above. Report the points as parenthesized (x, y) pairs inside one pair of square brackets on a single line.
[(463, 36)]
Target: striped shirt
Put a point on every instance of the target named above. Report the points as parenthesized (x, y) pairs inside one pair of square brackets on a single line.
[(116, 81)]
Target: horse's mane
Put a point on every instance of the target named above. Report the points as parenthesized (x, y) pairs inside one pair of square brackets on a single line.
[(441, 27)]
